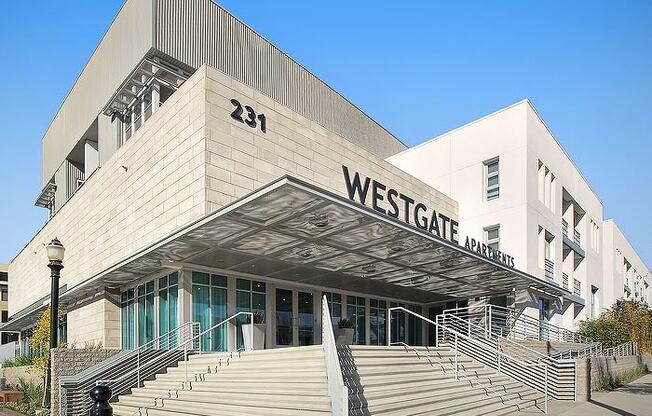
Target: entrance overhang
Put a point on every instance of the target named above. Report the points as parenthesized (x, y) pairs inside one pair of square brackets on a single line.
[(294, 231)]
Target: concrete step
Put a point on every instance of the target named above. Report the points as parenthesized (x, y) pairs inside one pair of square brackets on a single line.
[(306, 387), (472, 401), (235, 397), (189, 399), (198, 409)]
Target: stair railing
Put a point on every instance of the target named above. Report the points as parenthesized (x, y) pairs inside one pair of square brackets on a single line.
[(338, 392), (507, 323), (73, 390), (490, 390), (533, 374), (593, 349), (189, 346), (622, 350), (561, 372)]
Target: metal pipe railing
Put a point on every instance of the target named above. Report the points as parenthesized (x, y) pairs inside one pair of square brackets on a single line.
[(520, 370), (509, 324)]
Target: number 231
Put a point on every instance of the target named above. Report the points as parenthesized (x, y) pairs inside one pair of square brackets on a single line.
[(251, 116)]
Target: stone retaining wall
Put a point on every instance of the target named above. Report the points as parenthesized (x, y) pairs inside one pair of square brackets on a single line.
[(603, 366), (70, 361)]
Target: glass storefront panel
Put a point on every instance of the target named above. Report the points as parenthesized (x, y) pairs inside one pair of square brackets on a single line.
[(145, 313), (168, 310), (377, 322), (335, 307), (209, 307), (355, 312), (284, 317), (250, 297), (128, 319), (306, 318)]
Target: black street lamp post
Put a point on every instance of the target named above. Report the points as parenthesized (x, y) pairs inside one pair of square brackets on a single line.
[(55, 251)]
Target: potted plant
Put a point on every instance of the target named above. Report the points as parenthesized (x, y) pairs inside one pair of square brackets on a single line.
[(344, 332), (258, 328)]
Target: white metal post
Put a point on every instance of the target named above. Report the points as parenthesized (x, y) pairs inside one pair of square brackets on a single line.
[(545, 397), (138, 367), (456, 366)]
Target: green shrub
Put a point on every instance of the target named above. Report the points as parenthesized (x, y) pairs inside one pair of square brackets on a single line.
[(33, 397), (613, 381), (21, 360), (626, 320), (609, 332)]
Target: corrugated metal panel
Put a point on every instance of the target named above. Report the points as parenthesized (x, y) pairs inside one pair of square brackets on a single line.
[(199, 31), (123, 46)]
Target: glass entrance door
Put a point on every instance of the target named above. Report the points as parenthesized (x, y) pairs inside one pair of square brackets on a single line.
[(295, 318), (284, 318), (306, 318)]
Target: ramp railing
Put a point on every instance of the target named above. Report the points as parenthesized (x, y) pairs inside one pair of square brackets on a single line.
[(338, 392)]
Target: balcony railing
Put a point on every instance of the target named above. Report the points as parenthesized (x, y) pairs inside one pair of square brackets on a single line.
[(549, 269), (577, 287), (577, 238), (564, 281), (564, 227)]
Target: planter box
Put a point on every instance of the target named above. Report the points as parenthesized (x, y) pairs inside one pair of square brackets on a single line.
[(258, 343), (343, 336)]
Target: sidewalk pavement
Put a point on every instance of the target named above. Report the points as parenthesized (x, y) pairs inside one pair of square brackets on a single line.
[(633, 399), (7, 412)]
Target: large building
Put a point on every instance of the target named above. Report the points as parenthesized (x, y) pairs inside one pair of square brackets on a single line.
[(186, 183), (626, 276), (195, 171), (519, 192)]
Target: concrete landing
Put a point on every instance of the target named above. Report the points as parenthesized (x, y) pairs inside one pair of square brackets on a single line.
[(633, 399)]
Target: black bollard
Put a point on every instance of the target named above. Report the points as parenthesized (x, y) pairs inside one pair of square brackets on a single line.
[(101, 406)]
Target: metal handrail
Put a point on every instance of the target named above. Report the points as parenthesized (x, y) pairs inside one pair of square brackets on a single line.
[(185, 349), (456, 368), (500, 356), (88, 377), (625, 349), (336, 389), (513, 320)]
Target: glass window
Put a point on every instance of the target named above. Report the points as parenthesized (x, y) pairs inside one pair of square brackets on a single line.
[(128, 319), (168, 310), (209, 307), (249, 297), (4, 294), (63, 329), (377, 322), (492, 179), (492, 237), (145, 313), (335, 307), (355, 312)]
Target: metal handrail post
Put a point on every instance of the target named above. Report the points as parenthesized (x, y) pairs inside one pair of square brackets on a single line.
[(456, 364), (138, 367), (545, 397), (498, 353), (185, 360)]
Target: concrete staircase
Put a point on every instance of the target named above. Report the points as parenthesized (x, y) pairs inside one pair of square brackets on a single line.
[(393, 381), (279, 382)]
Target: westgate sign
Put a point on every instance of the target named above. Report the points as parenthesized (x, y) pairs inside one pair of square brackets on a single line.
[(389, 201)]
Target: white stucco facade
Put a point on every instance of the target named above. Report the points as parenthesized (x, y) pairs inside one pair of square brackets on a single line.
[(626, 274), (548, 216)]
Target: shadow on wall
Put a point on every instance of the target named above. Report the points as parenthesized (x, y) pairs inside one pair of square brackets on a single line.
[(357, 401), (607, 372)]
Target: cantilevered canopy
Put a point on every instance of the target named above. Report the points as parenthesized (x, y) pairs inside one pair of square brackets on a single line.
[(291, 230)]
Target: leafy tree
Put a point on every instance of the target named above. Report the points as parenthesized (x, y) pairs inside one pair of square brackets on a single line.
[(40, 342), (626, 320)]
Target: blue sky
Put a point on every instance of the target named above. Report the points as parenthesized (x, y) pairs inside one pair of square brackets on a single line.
[(419, 71)]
